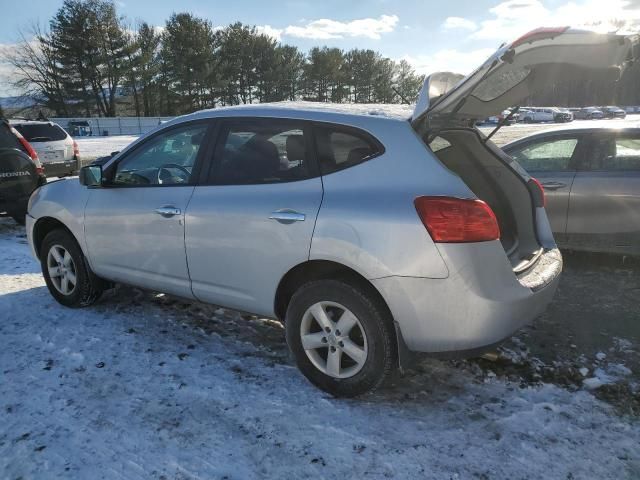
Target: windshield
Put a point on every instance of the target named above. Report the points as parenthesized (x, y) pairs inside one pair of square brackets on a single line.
[(41, 132)]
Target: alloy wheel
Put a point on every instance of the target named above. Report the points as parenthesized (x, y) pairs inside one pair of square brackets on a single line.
[(62, 270), (333, 339)]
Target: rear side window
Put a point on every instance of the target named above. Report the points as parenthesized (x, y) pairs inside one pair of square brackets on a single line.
[(343, 147), (615, 154), (549, 155), (7, 138), (41, 132), (262, 151)]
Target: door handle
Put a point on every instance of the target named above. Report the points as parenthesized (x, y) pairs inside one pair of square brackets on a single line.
[(168, 211), (553, 185), (287, 216)]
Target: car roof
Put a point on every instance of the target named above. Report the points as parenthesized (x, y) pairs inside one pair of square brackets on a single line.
[(31, 122), (338, 112), (581, 129)]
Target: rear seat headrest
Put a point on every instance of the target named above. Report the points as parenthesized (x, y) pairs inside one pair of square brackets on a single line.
[(295, 148)]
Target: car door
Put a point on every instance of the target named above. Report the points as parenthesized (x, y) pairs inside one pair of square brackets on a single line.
[(604, 208), (552, 160), (253, 220), (134, 224)]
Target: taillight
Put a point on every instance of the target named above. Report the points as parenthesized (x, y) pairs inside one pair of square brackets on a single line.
[(76, 150), (542, 33), (27, 146), (30, 151), (543, 199), (457, 220)]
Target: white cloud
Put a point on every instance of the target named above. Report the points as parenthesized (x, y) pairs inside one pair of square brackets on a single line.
[(512, 18), (275, 33), (459, 23), (449, 60), (7, 71), (325, 28)]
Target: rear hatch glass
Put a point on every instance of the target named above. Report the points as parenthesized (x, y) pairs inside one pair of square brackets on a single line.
[(42, 132)]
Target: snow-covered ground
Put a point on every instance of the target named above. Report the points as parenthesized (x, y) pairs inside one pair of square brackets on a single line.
[(94, 147), (146, 386)]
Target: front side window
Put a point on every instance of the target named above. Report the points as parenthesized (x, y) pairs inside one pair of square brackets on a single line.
[(550, 155), (340, 148), (166, 159), (262, 151)]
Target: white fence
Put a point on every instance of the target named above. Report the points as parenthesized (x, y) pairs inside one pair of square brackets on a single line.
[(115, 125)]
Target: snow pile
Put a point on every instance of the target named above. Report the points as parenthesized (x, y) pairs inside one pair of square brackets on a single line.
[(94, 147), (147, 386), (391, 110)]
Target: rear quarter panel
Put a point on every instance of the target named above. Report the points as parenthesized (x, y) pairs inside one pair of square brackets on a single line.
[(368, 221)]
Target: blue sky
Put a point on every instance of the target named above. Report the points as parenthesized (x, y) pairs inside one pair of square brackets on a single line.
[(443, 35)]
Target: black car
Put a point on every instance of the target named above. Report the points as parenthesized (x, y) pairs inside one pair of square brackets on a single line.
[(20, 172), (79, 128)]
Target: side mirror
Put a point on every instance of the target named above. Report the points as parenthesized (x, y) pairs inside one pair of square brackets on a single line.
[(91, 176)]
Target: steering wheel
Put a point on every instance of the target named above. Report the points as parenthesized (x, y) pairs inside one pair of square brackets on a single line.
[(167, 166)]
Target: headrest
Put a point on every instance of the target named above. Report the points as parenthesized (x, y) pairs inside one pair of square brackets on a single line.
[(295, 148), (262, 157), (357, 154), (196, 139)]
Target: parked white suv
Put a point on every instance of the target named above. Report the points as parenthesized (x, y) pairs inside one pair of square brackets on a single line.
[(58, 152), (546, 114), (370, 236)]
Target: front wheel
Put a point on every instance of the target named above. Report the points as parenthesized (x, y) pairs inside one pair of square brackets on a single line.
[(66, 272), (341, 337)]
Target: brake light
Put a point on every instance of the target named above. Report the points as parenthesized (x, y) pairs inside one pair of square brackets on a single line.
[(457, 220), (76, 150), (541, 188), (30, 151), (539, 34)]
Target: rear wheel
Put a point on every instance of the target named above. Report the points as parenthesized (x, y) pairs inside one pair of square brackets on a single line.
[(341, 338), (66, 272)]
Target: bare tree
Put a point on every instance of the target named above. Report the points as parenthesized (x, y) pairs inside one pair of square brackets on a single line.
[(37, 72)]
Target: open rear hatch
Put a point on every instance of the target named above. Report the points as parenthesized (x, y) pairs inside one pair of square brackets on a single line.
[(449, 105)]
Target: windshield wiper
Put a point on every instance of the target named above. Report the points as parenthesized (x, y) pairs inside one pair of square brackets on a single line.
[(502, 123)]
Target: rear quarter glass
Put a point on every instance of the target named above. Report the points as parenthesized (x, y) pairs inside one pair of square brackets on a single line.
[(8, 139)]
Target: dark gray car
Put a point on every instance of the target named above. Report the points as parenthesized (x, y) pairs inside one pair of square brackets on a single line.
[(591, 178)]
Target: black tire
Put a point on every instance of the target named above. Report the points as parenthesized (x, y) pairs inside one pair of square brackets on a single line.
[(88, 286), (374, 319), (527, 120)]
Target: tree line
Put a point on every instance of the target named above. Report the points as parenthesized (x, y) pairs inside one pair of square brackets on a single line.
[(90, 61)]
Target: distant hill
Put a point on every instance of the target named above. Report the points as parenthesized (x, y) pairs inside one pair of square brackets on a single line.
[(16, 102)]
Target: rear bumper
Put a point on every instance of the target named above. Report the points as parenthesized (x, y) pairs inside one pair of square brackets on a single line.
[(481, 303), (13, 203), (59, 169), (16, 205)]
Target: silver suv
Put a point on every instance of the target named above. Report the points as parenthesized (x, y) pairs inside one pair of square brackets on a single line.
[(370, 236), (58, 152)]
